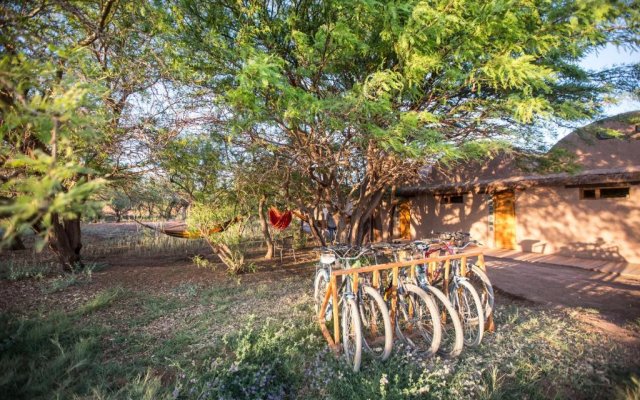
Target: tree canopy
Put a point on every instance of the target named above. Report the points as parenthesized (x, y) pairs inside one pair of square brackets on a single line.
[(308, 103), (355, 96)]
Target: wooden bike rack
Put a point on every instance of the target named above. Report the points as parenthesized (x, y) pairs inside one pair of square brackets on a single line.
[(332, 290)]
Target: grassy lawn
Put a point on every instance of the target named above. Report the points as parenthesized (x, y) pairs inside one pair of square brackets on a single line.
[(254, 337)]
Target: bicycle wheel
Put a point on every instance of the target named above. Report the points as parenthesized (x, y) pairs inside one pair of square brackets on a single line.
[(320, 287), (452, 334), (377, 335), (417, 320), (467, 303), (351, 334), (483, 286)]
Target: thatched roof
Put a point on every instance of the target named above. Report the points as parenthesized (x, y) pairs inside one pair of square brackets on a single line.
[(610, 176), (606, 151)]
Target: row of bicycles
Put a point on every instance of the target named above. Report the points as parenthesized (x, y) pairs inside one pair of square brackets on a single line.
[(436, 307)]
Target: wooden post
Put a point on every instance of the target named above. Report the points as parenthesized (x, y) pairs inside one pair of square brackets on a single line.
[(376, 279), (336, 322), (489, 325), (447, 270), (432, 267), (394, 298), (354, 285), (481, 262), (323, 322), (463, 266)]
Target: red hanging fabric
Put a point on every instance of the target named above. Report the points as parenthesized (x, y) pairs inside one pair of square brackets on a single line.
[(279, 220)]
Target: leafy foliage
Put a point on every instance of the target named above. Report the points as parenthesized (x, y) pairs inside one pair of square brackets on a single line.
[(226, 244), (352, 97)]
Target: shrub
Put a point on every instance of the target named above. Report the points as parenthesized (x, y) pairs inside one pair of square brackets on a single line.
[(226, 244), (262, 363)]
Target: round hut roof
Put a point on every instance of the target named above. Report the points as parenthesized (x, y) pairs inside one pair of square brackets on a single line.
[(607, 150), (606, 144)]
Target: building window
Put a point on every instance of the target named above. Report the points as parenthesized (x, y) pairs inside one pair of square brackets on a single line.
[(604, 193), (451, 199)]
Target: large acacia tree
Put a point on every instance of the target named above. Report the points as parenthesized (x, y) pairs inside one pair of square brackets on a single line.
[(356, 95)]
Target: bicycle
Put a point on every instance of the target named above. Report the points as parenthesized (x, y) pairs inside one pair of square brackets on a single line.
[(364, 311), (452, 342), (462, 293), (417, 319)]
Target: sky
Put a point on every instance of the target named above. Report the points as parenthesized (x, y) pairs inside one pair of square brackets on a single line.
[(606, 58), (603, 59)]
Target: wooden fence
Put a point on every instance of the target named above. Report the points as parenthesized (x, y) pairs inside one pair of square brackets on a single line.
[(332, 290)]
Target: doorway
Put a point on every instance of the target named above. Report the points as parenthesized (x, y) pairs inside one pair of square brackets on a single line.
[(404, 220), (505, 220)]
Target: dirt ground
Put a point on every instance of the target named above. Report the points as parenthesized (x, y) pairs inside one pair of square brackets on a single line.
[(157, 305), (613, 302)]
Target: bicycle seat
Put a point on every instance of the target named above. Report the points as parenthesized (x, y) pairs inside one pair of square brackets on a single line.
[(327, 258)]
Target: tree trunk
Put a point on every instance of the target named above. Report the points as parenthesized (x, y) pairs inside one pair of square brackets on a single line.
[(393, 203), (314, 227), (167, 211), (65, 241), (16, 244), (264, 226), (361, 216)]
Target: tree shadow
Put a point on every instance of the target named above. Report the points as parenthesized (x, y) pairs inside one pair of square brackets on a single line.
[(598, 250)]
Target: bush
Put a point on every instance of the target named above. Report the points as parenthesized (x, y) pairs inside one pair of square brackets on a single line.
[(226, 244), (264, 363)]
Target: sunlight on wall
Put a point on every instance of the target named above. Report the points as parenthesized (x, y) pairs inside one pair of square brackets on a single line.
[(556, 220)]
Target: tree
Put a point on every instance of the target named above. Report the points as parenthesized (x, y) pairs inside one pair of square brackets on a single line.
[(353, 97), (68, 71)]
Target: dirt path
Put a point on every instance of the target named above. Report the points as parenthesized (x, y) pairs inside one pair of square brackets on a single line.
[(616, 299)]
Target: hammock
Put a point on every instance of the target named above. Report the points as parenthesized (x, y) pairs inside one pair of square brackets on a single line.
[(300, 216), (280, 220), (180, 229)]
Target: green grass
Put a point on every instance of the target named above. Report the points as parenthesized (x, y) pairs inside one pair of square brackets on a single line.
[(46, 357), (14, 270), (79, 277), (247, 342), (102, 300)]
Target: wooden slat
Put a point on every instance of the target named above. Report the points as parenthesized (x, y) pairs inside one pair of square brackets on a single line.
[(354, 283), (481, 263), (401, 264)]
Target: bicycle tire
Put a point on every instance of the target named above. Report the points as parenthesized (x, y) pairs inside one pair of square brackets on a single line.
[(451, 331), (487, 297), (351, 334), (466, 301), (431, 315), (374, 309), (320, 286)]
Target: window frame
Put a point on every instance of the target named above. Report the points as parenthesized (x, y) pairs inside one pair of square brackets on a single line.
[(445, 199), (598, 192)]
